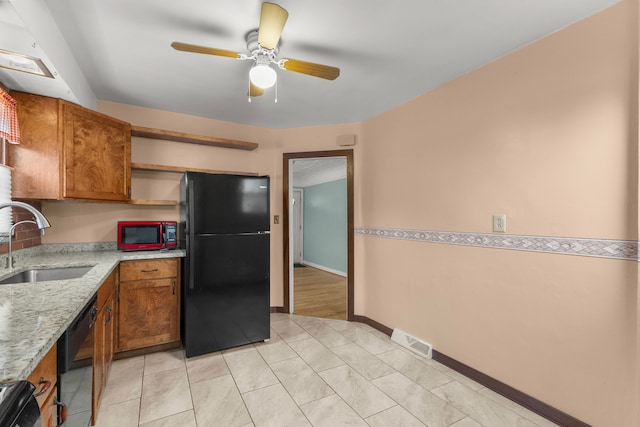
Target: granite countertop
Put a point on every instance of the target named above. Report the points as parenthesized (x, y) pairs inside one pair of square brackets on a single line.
[(34, 315)]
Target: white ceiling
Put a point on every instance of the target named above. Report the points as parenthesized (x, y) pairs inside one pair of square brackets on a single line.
[(388, 51), (306, 172)]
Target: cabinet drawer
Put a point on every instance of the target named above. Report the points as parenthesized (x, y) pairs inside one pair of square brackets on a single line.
[(148, 269), (46, 371)]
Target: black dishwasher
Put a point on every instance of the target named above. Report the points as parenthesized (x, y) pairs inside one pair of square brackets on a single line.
[(18, 405), (75, 379)]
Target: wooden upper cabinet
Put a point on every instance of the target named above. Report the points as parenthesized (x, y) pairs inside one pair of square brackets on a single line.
[(36, 161), (68, 152), (97, 155)]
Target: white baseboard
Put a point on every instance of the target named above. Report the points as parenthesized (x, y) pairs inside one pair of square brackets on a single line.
[(327, 269)]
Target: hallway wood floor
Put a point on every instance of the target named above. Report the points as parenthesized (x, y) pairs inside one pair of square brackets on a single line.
[(319, 293)]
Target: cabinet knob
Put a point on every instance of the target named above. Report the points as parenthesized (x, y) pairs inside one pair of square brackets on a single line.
[(109, 311)]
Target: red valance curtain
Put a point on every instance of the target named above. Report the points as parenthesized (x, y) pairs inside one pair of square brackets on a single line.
[(9, 129)]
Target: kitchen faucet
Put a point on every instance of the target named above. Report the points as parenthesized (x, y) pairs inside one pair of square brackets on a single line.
[(39, 220)]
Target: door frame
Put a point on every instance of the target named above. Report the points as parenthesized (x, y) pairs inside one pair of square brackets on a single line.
[(299, 236), (350, 222)]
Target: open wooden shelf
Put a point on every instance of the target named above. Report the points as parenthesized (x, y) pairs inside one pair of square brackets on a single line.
[(153, 202), (173, 169), (182, 169), (168, 135)]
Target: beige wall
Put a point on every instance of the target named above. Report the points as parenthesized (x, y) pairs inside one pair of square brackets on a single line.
[(547, 135), (636, 111)]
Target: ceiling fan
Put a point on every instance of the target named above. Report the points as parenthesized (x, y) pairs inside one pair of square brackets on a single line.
[(263, 47)]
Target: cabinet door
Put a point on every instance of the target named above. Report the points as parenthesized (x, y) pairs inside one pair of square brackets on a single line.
[(110, 287), (97, 155), (103, 353), (109, 345), (36, 161), (147, 313), (49, 411), (44, 376), (98, 364)]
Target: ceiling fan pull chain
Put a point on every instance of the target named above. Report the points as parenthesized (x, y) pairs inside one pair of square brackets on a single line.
[(276, 99)]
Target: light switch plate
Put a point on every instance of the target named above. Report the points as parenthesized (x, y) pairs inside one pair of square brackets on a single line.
[(276, 219), (500, 223)]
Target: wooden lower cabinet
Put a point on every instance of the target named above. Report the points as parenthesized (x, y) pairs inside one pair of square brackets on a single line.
[(148, 303), (138, 307), (44, 377), (103, 345)]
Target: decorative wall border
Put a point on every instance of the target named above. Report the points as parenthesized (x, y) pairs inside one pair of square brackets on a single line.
[(601, 248)]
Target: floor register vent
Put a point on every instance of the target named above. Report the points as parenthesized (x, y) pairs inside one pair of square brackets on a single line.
[(412, 343)]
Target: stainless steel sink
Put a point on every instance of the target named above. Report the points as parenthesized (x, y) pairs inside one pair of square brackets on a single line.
[(47, 274)]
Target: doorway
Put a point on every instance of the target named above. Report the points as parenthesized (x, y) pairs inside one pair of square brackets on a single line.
[(288, 219)]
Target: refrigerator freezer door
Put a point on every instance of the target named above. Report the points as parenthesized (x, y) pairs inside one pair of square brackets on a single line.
[(228, 204), (226, 292)]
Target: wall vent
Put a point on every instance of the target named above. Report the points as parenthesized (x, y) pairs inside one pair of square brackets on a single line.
[(412, 343), (346, 140)]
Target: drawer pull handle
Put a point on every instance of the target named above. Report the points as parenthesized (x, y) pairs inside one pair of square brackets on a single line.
[(149, 271), (46, 385)]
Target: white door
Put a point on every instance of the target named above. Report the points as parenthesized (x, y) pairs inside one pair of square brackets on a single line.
[(298, 229)]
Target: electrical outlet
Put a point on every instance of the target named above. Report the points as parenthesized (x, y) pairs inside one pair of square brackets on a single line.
[(500, 223), (276, 219)]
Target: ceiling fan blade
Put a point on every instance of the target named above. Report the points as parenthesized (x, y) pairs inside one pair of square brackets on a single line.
[(272, 20), (255, 90), (206, 50), (316, 70)]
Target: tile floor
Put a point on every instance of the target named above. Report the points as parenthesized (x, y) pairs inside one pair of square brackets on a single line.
[(313, 372)]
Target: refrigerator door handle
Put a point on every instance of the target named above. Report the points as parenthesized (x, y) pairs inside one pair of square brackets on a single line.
[(246, 234), (191, 241)]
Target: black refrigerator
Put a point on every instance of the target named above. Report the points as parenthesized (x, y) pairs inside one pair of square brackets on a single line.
[(224, 224)]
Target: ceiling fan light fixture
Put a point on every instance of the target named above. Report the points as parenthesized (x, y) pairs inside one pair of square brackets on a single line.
[(262, 75)]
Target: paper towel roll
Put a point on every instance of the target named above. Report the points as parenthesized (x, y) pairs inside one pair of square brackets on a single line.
[(5, 196)]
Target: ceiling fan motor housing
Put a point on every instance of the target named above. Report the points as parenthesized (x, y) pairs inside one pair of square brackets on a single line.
[(254, 47)]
